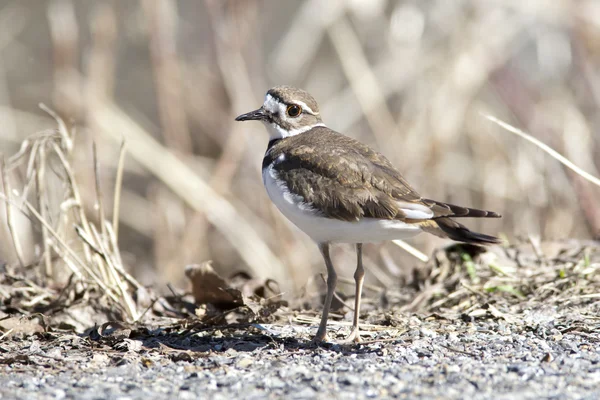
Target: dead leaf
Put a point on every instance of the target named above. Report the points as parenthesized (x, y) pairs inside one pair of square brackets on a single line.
[(210, 288), (21, 325), (242, 298), (263, 288)]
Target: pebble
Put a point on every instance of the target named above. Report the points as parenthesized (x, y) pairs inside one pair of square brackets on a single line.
[(429, 362), (244, 363)]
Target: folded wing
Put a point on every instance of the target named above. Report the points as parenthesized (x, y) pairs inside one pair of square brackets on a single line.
[(347, 180)]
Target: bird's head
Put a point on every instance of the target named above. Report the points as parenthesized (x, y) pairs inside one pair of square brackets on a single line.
[(287, 111)]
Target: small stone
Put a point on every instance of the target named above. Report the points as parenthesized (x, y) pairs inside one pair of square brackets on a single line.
[(306, 393), (276, 383), (452, 337), (349, 380), (547, 358), (244, 363), (451, 368), (428, 332)]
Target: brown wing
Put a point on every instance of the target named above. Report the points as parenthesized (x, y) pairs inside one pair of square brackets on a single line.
[(347, 180)]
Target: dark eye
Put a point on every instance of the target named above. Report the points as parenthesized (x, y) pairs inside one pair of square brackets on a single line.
[(294, 110)]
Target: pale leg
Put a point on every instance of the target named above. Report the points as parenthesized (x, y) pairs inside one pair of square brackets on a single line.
[(359, 276), (331, 282)]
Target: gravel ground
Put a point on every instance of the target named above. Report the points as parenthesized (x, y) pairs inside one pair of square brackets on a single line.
[(509, 323), (423, 357)]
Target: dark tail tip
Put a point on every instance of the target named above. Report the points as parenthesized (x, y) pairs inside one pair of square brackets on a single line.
[(461, 233)]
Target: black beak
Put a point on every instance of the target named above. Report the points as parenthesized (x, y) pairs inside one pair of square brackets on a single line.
[(258, 115)]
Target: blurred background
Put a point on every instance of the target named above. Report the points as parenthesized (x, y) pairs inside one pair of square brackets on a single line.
[(410, 78)]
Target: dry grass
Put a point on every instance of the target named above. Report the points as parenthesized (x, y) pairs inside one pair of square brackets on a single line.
[(74, 244), (507, 281), (167, 78)]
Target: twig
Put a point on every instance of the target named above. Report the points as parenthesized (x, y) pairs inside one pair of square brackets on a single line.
[(70, 251), (99, 200), (76, 195), (29, 174), (66, 259), (62, 127), (40, 179), (119, 262), (118, 187), (553, 153), (459, 351), (537, 249), (88, 240), (135, 321), (373, 341), (130, 305), (5, 334), (9, 220), (305, 319), (411, 250)]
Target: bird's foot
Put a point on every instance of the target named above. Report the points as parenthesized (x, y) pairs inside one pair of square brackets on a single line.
[(353, 337), (320, 338)]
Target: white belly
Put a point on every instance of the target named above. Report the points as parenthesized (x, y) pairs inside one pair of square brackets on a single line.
[(322, 229)]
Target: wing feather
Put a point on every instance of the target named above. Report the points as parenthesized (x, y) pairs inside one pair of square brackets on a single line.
[(347, 180)]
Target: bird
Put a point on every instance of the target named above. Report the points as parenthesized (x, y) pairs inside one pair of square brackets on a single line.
[(339, 190)]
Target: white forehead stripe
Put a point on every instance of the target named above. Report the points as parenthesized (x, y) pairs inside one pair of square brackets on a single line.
[(273, 105)]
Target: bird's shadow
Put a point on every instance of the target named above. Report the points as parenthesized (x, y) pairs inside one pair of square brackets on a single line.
[(243, 342)]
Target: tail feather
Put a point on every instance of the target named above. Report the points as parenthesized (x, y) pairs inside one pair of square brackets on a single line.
[(461, 233), (452, 210)]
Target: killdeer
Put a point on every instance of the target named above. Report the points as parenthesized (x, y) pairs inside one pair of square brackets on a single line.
[(338, 190)]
